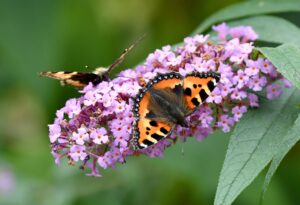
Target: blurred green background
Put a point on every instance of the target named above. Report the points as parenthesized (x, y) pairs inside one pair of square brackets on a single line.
[(56, 35)]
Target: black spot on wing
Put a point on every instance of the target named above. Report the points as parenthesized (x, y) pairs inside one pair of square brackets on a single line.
[(147, 142), (163, 130), (157, 136), (195, 102), (203, 95), (210, 86), (195, 86), (153, 123), (188, 91)]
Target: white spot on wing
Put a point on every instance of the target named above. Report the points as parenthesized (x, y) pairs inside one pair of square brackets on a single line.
[(214, 81), (143, 145)]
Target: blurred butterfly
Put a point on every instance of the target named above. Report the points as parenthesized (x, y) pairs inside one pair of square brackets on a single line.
[(165, 102), (81, 79)]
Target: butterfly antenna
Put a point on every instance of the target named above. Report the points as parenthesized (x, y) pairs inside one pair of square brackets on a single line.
[(123, 55)]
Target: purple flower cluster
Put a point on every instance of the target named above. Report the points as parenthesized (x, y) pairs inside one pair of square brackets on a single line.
[(96, 128)]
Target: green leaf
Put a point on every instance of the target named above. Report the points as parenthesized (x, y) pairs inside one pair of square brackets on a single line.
[(249, 8), (272, 29), (292, 137), (286, 58), (253, 142)]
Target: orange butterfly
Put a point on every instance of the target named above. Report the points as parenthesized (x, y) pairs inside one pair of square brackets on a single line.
[(165, 102)]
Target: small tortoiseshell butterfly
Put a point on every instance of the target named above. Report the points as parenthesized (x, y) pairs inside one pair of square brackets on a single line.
[(81, 79), (165, 102)]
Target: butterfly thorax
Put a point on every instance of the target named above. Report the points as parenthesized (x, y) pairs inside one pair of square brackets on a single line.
[(167, 106), (101, 71)]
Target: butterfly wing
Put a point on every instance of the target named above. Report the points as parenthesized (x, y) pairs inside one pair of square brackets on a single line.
[(75, 79), (151, 125), (197, 87), (120, 59)]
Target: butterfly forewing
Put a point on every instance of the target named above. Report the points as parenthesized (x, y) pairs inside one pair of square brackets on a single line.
[(198, 87), (171, 82)]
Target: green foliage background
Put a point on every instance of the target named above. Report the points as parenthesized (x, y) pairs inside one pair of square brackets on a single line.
[(62, 34)]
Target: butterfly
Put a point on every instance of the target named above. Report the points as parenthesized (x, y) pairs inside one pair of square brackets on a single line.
[(81, 79), (165, 102)]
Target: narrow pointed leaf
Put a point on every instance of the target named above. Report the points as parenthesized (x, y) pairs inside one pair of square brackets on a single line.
[(253, 143), (292, 137)]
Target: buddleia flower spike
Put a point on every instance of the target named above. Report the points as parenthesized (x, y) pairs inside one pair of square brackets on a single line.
[(176, 94)]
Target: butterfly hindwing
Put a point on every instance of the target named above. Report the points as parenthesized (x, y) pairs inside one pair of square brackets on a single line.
[(197, 87), (151, 131)]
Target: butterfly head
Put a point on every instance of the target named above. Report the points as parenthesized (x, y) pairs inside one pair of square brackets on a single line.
[(183, 123)]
